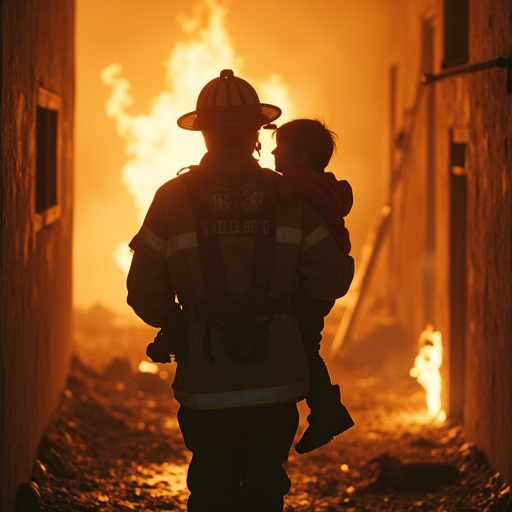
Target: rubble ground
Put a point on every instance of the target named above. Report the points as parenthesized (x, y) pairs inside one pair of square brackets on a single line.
[(114, 444)]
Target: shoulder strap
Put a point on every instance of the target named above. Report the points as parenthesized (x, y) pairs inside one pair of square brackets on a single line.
[(209, 251)]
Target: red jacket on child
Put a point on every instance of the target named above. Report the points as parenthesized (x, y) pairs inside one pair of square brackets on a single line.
[(332, 198)]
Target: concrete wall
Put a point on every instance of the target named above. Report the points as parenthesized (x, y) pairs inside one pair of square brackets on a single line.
[(451, 237), (35, 271)]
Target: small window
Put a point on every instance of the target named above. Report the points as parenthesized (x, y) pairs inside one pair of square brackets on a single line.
[(456, 33), (46, 162), (47, 175)]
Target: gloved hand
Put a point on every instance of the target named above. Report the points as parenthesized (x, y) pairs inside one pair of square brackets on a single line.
[(158, 350)]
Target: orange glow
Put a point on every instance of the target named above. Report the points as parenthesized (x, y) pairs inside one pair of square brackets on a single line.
[(147, 367), (312, 60), (173, 476), (155, 147), (426, 370)]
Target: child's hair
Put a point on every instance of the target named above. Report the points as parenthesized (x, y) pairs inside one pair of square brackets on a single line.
[(311, 136)]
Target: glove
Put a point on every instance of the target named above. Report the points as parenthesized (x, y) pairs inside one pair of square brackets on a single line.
[(158, 350)]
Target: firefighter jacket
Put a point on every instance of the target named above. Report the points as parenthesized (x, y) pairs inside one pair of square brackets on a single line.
[(167, 266)]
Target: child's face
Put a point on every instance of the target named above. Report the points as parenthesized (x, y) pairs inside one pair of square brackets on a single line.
[(287, 159)]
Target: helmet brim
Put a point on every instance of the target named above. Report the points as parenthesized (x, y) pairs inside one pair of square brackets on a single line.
[(268, 114)]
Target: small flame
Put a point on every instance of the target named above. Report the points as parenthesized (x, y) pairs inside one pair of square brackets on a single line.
[(426, 370), (156, 147), (147, 367)]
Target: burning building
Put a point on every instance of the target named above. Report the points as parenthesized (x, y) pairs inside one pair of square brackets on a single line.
[(439, 257), (451, 202)]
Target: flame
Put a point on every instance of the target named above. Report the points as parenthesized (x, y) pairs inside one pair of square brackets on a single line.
[(147, 367), (156, 148), (426, 370)]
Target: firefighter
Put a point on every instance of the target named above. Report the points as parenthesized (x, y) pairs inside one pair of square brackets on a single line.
[(214, 264)]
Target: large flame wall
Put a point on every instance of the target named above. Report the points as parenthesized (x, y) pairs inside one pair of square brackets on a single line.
[(329, 57)]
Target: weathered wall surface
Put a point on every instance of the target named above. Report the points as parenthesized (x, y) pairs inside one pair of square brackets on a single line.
[(488, 415), (35, 272), (474, 317)]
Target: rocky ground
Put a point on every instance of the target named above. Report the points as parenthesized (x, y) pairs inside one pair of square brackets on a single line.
[(114, 444)]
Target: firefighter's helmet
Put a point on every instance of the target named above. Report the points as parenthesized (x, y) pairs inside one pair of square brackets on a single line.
[(228, 100)]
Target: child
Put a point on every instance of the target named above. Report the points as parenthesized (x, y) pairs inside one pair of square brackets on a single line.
[(303, 149)]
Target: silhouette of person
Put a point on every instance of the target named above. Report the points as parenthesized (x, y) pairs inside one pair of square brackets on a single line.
[(303, 150), (215, 262)]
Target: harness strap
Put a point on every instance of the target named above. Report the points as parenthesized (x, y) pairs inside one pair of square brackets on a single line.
[(209, 250), (209, 239), (259, 215)]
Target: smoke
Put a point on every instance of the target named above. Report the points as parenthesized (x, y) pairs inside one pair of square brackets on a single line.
[(155, 147), (323, 59)]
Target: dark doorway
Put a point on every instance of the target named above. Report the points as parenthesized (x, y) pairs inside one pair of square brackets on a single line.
[(458, 289)]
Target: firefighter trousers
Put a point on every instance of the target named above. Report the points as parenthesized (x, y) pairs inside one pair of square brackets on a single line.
[(238, 456)]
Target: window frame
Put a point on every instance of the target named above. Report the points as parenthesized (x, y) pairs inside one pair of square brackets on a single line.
[(51, 101)]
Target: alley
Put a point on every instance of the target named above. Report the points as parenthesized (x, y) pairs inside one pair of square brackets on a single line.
[(114, 444)]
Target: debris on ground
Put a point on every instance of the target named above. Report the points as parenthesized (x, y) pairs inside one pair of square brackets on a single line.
[(115, 445)]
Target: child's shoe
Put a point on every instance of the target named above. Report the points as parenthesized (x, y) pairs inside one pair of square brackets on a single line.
[(328, 418)]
